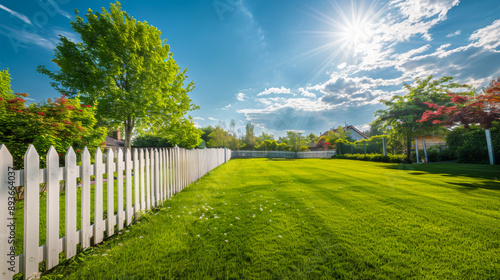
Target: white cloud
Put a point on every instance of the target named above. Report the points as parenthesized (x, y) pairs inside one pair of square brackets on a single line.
[(306, 93), (274, 90), (16, 14), (226, 107), (240, 96), (198, 118), (212, 119), (341, 65), (487, 37), (456, 33), (22, 39)]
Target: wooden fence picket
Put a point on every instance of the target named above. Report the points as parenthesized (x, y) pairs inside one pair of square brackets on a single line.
[(119, 192), (148, 180), (128, 187), (137, 204), (52, 228), (157, 177), (70, 202), (110, 192), (85, 198), (98, 197), (142, 180), (7, 176)]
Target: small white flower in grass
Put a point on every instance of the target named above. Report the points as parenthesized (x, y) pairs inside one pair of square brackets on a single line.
[(141, 236), (178, 216), (156, 213), (215, 228), (261, 196), (119, 244), (269, 220), (104, 255), (237, 218), (270, 210), (206, 218), (189, 212), (307, 208), (108, 250), (226, 241), (275, 203), (127, 231), (225, 233), (279, 236), (261, 209), (231, 224), (297, 209), (198, 235), (253, 216), (185, 233), (236, 203)]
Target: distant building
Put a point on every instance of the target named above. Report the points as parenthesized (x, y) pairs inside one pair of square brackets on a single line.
[(430, 141), (356, 134), (114, 142)]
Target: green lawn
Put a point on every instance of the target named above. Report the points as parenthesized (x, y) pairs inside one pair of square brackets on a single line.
[(313, 219)]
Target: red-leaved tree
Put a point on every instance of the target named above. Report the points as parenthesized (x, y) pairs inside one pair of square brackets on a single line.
[(481, 109)]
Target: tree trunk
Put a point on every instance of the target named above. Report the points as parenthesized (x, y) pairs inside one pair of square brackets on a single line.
[(408, 146), (129, 127)]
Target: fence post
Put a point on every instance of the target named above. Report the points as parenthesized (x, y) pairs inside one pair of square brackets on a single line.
[(6, 217), (416, 150), (490, 146)]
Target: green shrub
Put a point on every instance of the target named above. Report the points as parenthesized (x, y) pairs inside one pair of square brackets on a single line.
[(374, 157)]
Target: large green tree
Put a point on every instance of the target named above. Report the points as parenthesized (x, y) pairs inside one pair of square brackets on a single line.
[(403, 112), (123, 67)]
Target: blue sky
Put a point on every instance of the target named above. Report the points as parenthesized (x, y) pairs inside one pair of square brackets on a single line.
[(284, 65)]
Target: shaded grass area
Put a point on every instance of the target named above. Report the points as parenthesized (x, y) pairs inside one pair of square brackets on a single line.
[(314, 219)]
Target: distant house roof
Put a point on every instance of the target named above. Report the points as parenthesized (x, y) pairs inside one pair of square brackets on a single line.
[(349, 127), (112, 142)]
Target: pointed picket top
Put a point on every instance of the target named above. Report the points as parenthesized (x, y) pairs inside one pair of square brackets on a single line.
[(70, 155), (98, 154), (119, 154), (30, 152), (52, 154), (110, 154), (135, 154), (4, 151), (128, 155), (86, 155)]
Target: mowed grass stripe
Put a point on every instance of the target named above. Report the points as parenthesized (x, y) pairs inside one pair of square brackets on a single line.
[(330, 219)]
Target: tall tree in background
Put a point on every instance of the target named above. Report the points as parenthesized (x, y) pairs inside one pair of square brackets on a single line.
[(403, 112), (250, 136), (123, 67), (295, 140)]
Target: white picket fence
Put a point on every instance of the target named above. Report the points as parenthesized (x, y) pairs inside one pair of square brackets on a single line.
[(158, 175), (282, 154)]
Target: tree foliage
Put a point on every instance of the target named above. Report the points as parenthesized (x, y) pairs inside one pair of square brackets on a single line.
[(481, 109), (123, 67), (63, 123), (403, 112)]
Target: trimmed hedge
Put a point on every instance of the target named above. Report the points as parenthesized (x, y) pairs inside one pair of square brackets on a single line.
[(374, 157)]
